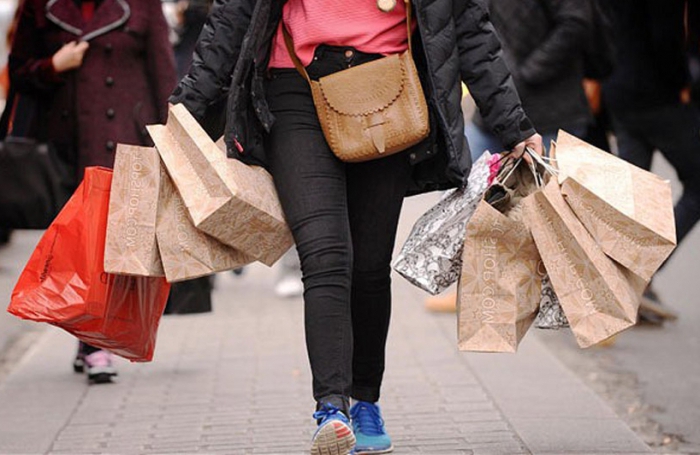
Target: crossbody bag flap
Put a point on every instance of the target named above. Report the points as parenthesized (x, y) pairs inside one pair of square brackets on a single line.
[(365, 89)]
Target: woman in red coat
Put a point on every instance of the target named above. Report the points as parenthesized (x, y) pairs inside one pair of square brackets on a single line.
[(101, 70)]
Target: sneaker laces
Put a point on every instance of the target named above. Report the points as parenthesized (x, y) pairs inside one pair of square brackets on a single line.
[(328, 411), (367, 419)]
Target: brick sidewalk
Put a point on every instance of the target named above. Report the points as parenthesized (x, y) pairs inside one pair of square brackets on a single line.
[(237, 382)]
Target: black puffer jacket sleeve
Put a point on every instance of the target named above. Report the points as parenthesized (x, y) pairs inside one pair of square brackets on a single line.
[(215, 56), (566, 41), (484, 71)]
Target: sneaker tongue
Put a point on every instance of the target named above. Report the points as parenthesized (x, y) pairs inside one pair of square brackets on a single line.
[(367, 419)]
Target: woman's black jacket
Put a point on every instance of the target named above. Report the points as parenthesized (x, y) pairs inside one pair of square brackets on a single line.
[(455, 42)]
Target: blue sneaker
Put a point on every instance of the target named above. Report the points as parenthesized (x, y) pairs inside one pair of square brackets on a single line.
[(369, 429), (334, 435)]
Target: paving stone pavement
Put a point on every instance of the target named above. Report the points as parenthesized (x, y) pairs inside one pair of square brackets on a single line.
[(237, 381)]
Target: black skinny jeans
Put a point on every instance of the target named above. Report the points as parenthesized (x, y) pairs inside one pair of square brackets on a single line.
[(343, 217)]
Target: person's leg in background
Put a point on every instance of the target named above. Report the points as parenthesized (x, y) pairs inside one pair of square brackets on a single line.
[(673, 130), (678, 139), (191, 296), (96, 362), (5, 234), (632, 145), (289, 276), (186, 297), (597, 134), (376, 190)]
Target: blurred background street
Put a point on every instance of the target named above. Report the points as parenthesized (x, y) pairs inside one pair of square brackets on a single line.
[(217, 377)]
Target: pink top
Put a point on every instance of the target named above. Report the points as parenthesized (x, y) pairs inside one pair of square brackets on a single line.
[(354, 23)]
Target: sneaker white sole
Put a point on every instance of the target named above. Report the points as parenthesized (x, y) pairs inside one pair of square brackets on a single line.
[(334, 438), (373, 452)]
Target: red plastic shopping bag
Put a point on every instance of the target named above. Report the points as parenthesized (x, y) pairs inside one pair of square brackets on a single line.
[(64, 282)]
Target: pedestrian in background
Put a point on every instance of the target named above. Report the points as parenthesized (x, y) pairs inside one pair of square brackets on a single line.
[(648, 96), (344, 216), (543, 45), (100, 70)]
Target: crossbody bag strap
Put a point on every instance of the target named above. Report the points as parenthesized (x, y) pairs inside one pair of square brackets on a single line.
[(409, 32), (295, 58), (300, 67)]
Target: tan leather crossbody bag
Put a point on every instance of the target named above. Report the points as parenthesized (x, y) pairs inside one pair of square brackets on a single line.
[(372, 110)]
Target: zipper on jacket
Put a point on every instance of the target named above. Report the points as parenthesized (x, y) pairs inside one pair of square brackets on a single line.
[(238, 145)]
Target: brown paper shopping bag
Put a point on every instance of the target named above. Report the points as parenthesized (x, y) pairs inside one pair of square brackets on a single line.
[(131, 247), (598, 297), (500, 282), (627, 210), (235, 203), (186, 251)]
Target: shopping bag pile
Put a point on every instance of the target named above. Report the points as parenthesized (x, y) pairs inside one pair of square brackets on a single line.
[(176, 211), (150, 232), (202, 212), (572, 241), (226, 199)]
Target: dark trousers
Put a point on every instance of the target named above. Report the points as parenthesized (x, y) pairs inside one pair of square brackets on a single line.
[(674, 130), (343, 218)]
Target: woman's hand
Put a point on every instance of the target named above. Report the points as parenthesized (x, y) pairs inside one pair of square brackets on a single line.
[(534, 142), (70, 56)]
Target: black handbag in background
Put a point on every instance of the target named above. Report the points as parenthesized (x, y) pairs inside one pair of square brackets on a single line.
[(35, 182)]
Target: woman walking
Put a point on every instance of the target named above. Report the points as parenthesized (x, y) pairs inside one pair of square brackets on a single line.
[(100, 71), (344, 215)]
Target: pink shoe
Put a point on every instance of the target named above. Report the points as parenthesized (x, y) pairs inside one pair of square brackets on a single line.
[(99, 367)]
